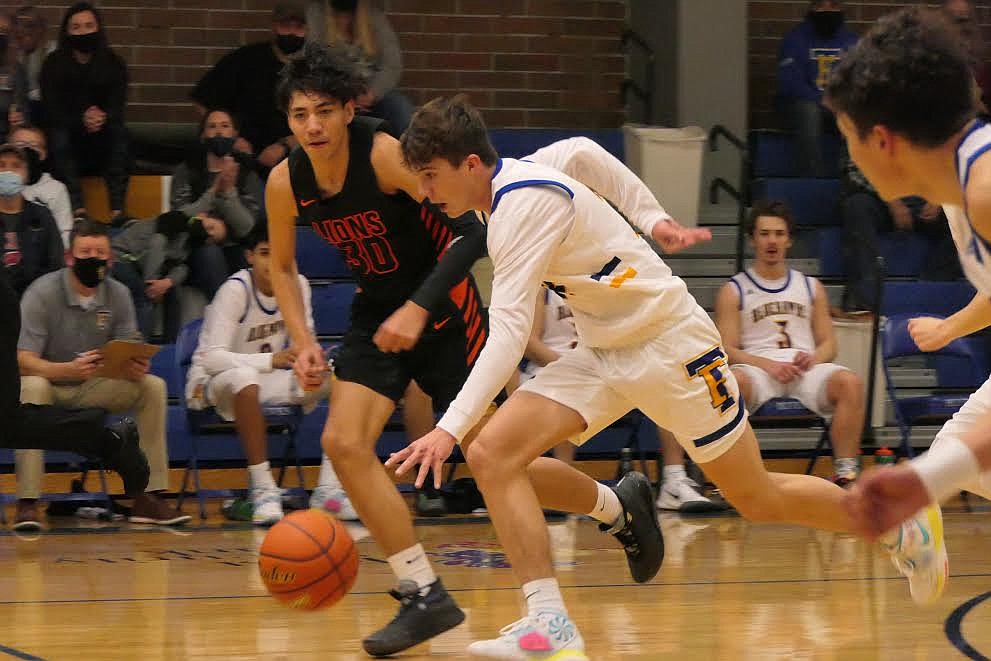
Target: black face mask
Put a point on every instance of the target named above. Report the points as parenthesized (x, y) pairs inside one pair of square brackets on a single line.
[(219, 145), (344, 5), (289, 43), (84, 43), (826, 23), (3, 42), (90, 270)]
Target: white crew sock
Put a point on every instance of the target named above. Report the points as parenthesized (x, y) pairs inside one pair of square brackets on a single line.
[(543, 594), (328, 477), (607, 508), (674, 472), (412, 564), (261, 476)]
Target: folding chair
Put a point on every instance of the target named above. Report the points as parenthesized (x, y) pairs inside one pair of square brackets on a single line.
[(286, 419), (896, 342), (787, 412)]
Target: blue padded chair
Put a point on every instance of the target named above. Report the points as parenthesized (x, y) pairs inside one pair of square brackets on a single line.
[(789, 412), (283, 418), (316, 259), (332, 307), (517, 143), (939, 298), (775, 154), (896, 342)]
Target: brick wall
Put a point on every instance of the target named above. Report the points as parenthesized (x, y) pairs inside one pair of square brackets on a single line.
[(771, 19), (532, 63)]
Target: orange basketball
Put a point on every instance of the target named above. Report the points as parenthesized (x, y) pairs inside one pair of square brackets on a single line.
[(308, 560)]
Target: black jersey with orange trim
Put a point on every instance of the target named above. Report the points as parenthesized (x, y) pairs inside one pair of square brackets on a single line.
[(390, 242)]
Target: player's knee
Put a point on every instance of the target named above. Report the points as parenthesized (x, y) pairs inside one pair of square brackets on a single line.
[(240, 378), (36, 390), (847, 388), (343, 448), (484, 463)]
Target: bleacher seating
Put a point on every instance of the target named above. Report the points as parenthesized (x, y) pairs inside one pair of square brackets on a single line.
[(517, 143), (774, 154)]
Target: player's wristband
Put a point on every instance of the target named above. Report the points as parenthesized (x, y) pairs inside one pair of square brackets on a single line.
[(946, 468)]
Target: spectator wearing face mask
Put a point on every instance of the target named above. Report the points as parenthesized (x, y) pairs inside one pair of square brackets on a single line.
[(244, 80), (32, 246), (217, 179), (41, 187), (66, 319), (13, 81), (808, 53), (84, 90), (357, 23), (29, 31)]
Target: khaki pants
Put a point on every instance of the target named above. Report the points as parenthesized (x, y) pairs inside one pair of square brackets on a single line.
[(145, 399)]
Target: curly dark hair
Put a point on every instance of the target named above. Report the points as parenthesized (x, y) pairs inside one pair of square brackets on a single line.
[(450, 128), (339, 71), (775, 208), (910, 73)]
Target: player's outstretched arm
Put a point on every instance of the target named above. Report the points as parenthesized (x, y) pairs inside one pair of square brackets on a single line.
[(585, 160), (280, 206)]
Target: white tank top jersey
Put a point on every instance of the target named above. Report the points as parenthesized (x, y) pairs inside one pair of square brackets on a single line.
[(547, 228), (776, 316), (974, 251)]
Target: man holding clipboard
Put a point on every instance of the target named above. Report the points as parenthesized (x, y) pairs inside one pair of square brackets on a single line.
[(76, 348)]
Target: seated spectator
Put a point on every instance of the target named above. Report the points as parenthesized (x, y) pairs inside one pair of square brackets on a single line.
[(14, 109), (55, 428), (150, 257), (215, 180), (32, 46), (778, 335), (866, 216), (41, 187), (808, 53), (67, 317), (84, 90), (244, 80), (243, 361), (32, 246), (356, 22)]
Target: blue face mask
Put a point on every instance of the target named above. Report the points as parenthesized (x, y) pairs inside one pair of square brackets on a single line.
[(11, 183)]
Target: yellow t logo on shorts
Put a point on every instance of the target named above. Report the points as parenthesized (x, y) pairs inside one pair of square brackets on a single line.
[(711, 367)]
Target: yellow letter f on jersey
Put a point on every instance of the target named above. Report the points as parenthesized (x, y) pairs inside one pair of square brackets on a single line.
[(711, 367)]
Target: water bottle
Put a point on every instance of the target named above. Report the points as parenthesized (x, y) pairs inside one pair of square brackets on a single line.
[(884, 456), (625, 461)]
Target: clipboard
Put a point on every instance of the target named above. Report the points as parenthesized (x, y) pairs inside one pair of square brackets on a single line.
[(116, 353)]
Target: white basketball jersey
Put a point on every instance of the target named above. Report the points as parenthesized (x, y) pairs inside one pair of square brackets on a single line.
[(775, 316), (261, 328), (974, 251)]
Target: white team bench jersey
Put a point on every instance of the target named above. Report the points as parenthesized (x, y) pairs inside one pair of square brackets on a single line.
[(974, 251), (776, 316), (546, 228), (242, 327)]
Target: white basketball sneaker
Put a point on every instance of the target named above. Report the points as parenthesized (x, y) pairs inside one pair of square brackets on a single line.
[(546, 635), (919, 553), (334, 500), (266, 506)]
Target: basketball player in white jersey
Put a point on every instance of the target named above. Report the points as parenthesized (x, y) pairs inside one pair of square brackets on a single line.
[(243, 362), (778, 334), (643, 343), (905, 100)]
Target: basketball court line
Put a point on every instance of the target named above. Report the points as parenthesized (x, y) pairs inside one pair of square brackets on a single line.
[(10, 651), (954, 627)]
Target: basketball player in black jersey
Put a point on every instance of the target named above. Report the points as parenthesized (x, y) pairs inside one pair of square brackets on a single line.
[(417, 314)]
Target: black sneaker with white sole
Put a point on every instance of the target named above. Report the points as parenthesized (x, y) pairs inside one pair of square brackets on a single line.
[(637, 529), (420, 618)]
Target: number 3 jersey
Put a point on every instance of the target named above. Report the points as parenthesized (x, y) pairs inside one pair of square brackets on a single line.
[(390, 242), (775, 316)]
